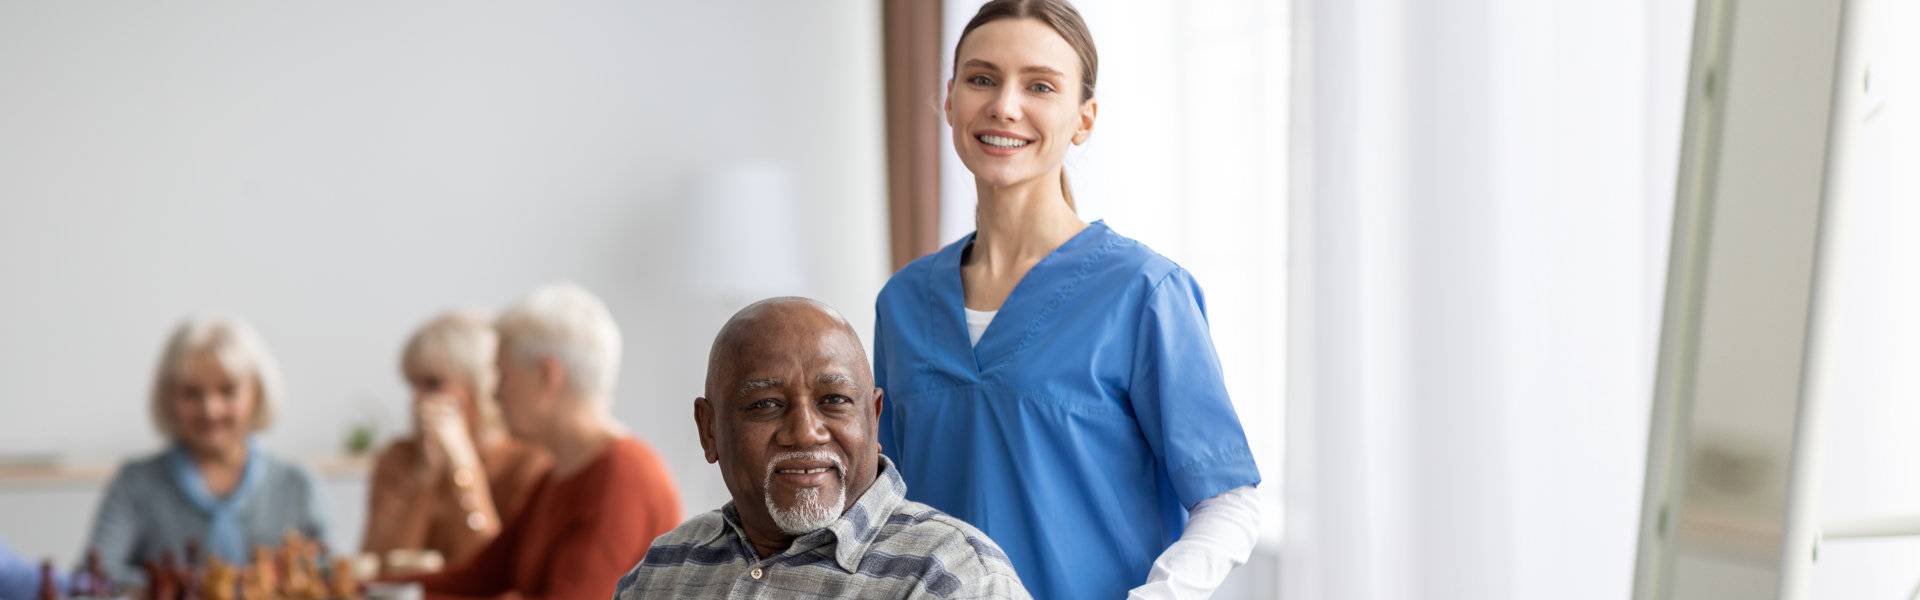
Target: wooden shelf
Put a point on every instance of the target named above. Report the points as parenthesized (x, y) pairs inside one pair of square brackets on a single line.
[(61, 473)]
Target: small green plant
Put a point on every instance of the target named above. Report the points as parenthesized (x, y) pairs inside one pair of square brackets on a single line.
[(360, 439)]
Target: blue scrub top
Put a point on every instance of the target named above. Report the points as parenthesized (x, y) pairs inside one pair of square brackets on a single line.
[(1079, 431)]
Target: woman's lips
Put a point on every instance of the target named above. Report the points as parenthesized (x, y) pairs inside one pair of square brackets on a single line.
[(999, 150)]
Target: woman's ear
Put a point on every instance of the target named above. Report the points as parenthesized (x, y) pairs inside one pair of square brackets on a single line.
[(553, 377), (946, 106), (1088, 110)]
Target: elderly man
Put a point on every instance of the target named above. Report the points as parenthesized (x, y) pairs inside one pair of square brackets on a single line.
[(792, 418), (607, 496)]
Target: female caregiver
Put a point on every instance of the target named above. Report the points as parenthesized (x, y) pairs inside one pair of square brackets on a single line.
[(1048, 380)]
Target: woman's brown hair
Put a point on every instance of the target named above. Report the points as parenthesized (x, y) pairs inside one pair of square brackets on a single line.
[(1064, 20)]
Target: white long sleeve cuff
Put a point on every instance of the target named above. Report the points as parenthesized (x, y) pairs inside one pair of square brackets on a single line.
[(1220, 535)]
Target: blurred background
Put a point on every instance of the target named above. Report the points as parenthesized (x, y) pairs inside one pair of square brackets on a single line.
[(1434, 237)]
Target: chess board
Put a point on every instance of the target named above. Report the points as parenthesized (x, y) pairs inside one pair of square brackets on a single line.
[(297, 570)]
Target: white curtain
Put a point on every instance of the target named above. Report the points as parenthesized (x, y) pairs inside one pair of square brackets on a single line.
[(1483, 195)]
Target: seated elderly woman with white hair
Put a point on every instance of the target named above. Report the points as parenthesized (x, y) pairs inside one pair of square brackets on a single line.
[(608, 495), (213, 486), (449, 486)]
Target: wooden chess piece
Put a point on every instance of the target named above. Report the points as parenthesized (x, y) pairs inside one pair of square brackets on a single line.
[(189, 574), (293, 542), (316, 583), (192, 566), (266, 574), (153, 581), (161, 582), (251, 586), (220, 579), (294, 580), (344, 585), (94, 579), (49, 590), (192, 587)]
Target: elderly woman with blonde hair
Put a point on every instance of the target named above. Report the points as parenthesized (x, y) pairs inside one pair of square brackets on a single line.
[(449, 486), (214, 486)]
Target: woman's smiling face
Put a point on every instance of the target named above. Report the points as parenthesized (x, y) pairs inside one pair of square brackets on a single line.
[(1015, 102)]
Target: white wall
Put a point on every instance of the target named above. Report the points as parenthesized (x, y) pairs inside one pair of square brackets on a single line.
[(337, 174)]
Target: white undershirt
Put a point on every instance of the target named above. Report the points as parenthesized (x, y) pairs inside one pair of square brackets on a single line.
[(1219, 536), (977, 321)]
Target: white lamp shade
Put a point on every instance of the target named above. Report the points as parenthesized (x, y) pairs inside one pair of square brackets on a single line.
[(746, 229)]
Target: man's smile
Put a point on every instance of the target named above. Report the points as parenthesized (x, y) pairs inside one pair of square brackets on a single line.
[(806, 470)]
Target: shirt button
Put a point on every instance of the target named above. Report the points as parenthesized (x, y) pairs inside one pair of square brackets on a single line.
[(756, 572)]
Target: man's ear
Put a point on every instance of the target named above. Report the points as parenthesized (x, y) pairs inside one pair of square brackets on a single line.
[(879, 407), (703, 419)]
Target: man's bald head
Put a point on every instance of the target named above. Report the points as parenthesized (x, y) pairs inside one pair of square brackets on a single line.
[(791, 417), (787, 317)]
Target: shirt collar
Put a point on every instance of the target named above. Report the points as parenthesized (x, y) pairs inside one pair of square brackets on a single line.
[(853, 532)]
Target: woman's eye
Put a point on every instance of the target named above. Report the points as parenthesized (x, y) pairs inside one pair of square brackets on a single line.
[(980, 80), (1041, 88)]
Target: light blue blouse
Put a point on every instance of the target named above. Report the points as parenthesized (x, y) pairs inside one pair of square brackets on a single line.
[(157, 504)]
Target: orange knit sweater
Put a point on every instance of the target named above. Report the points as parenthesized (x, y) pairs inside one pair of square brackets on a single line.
[(575, 537)]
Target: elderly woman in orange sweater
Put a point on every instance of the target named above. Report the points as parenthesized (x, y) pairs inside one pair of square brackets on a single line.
[(592, 517)]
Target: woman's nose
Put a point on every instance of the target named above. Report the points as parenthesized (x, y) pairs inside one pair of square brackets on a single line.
[(1005, 105)]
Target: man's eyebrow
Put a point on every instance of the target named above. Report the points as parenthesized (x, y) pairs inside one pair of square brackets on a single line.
[(754, 385), (833, 379)]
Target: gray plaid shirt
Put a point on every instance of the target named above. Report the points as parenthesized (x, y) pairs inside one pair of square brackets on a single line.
[(882, 547)]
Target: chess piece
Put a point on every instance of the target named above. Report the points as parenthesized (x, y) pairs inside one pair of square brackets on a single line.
[(189, 576), (293, 541), (98, 583), (49, 590), (80, 585), (220, 579), (293, 569), (316, 583), (266, 575), (161, 584), (343, 584), (252, 587), (193, 554), (192, 587)]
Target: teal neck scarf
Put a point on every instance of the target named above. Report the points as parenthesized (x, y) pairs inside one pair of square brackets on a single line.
[(226, 537)]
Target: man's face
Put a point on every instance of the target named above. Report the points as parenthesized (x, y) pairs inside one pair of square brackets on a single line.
[(794, 423)]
